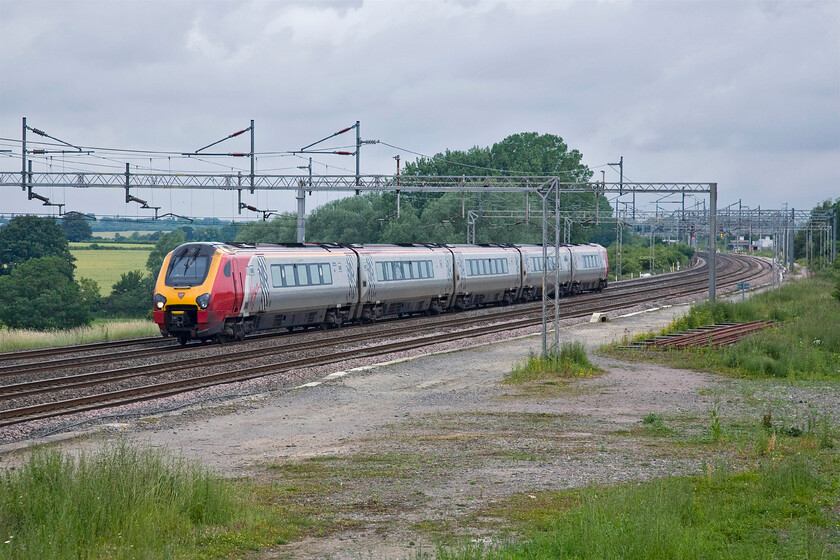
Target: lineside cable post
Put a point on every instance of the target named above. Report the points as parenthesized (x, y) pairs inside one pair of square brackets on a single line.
[(23, 158), (712, 240)]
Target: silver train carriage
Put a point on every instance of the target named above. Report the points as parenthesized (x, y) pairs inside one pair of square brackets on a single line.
[(207, 290)]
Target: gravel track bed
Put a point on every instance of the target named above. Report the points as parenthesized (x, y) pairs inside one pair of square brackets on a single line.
[(286, 380), (477, 441), (268, 383)]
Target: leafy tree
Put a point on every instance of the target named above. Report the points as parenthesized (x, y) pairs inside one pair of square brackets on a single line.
[(76, 229), (166, 243), (31, 237), (281, 229), (228, 232), (188, 233), (801, 247), (358, 219), (41, 294), (443, 217), (207, 233), (90, 293), (131, 296), (527, 153)]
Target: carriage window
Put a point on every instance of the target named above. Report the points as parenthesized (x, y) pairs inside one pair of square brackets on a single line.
[(276, 276), (315, 274), (288, 274), (302, 275), (404, 270), (291, 275), (430, 271)]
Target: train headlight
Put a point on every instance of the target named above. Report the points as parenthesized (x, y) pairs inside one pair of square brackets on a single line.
[(160, 301), (203, 301)]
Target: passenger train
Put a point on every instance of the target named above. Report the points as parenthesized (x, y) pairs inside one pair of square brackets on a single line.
[(226, 290)]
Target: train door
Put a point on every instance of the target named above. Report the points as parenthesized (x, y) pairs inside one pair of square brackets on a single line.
[(238, 284)]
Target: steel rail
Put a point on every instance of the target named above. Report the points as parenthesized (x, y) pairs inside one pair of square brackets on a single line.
[(62, 363), (126, 396)]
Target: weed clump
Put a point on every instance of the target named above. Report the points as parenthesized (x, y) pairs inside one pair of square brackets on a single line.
[(570, 362)]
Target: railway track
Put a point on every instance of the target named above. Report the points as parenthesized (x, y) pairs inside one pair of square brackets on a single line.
[(716, 335), (29, 396)]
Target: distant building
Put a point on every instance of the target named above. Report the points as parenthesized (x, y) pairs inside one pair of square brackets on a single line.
[(742, 245)]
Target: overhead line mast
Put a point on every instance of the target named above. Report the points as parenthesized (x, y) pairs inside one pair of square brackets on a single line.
[(251, 155)]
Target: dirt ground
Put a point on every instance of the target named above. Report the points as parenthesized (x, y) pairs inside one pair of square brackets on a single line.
[(449, 437)]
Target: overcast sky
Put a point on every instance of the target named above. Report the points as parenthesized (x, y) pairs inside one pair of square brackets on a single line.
[(742, 93)]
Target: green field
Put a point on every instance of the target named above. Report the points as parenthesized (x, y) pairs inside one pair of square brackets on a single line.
[(113, 234), (105, 266), (112, 245)]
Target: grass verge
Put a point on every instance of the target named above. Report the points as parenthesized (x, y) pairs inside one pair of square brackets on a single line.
[(805, 344), (786, 506), (14, 339), (124, 502)]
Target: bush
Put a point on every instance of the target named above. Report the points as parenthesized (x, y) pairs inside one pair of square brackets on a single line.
[(40, 294), (570, 362), (131, 296)]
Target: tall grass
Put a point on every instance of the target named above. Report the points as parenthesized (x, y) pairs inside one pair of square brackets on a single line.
[(13, 339), (780, 510), (571, 361), (804, 345), (123, 502), (119, 503)]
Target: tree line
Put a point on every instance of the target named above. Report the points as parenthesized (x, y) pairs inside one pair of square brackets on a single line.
[(40, 290)]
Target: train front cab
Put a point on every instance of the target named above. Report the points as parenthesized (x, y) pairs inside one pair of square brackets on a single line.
[(196, 292)]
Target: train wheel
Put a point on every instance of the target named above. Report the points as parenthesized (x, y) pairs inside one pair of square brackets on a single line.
[(182, 340)]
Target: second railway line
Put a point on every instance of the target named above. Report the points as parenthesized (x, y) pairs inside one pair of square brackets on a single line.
[(31, 395)]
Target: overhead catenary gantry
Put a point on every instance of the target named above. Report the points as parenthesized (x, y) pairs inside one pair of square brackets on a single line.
[(548, 188)]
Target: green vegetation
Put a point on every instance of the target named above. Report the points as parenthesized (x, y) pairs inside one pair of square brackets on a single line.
[(636, 257), (442, 217), (780, 509), (804, 345), (31, 237), (569, 363), (40, 293), (105, 266), (654, 424), (126, 503), (108, 246), (21, 339), (76, 228)]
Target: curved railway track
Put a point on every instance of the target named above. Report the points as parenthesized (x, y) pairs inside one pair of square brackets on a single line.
[(31, 391)]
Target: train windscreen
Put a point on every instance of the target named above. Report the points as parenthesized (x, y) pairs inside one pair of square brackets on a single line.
[(188, 267)]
